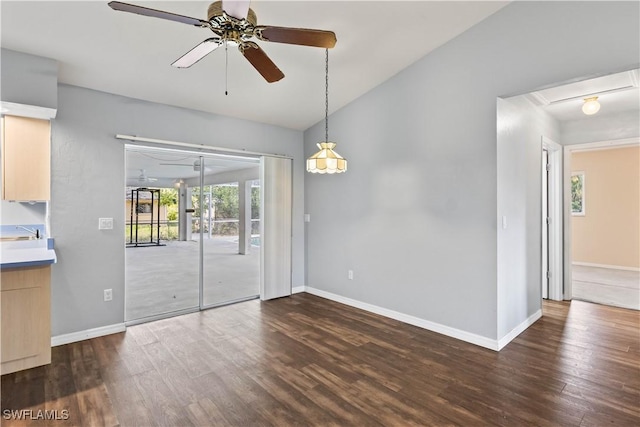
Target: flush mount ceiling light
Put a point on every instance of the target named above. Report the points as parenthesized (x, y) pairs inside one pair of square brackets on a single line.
[(326, 160), (591, 106)]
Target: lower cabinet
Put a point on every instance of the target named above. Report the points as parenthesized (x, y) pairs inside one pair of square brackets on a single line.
[(25, 318)]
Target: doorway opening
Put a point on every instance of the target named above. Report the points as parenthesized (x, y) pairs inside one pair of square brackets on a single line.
[(526, 218), (196, 221), (603, 206)]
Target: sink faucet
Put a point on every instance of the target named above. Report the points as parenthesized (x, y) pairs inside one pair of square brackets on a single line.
[(35, 231)]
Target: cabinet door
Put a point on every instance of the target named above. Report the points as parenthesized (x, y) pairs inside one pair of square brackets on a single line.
[(26, 159), (21, 334), (25, 326)]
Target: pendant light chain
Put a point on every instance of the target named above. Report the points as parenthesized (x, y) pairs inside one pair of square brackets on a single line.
[(326, 160), (326, 96)]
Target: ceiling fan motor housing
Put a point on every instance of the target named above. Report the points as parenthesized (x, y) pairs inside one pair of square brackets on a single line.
[(215, 15)]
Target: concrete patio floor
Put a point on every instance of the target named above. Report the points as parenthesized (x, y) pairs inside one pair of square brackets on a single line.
[(164, 279)]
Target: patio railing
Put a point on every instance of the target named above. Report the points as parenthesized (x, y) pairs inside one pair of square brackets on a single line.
[(169, 230)]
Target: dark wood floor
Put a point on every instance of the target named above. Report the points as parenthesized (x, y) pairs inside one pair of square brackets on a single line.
[(308, 361)]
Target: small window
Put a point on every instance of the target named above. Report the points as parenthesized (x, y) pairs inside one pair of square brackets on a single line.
[(577, 194)]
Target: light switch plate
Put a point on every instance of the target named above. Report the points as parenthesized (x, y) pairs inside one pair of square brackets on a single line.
[(105, 223)]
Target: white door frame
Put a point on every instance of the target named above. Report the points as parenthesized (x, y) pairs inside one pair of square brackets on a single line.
[(555, 223), (568, 150), (545, 224)]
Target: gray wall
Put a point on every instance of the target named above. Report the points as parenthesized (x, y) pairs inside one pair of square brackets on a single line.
[(415, 216), (604, 127), (28, 79), (88, 183), (13, 213), (520, 126)]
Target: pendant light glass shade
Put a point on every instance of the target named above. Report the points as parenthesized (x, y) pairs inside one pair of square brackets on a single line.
[(326, 160)]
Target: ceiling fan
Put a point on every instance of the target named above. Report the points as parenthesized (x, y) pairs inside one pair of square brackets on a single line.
[(234, 24), (144, 178)]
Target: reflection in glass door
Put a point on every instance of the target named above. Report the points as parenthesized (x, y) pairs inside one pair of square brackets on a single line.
[(228, 222), (161, 258)]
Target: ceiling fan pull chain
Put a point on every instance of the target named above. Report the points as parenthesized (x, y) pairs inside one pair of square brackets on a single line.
[(226, 68)]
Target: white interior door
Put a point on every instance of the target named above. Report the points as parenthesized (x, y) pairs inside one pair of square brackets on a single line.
[(554, 235), (275, 266)]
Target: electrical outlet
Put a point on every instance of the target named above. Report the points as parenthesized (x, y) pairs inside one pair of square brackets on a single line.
[(350, 274), (108, 294), (105, 223)]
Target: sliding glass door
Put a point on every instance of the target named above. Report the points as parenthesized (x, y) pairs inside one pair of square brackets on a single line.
[(209, 229)]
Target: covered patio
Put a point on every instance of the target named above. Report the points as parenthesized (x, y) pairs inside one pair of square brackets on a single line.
[(164, 279)]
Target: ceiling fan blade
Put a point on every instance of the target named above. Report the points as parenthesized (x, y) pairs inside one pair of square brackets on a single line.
[(261, 62), (197, 53), (299, 36), (126, 7), (236, 8)]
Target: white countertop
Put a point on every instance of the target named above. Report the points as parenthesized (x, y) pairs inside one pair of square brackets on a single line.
[(26, 253)]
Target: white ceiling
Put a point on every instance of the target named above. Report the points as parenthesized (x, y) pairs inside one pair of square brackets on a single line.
[(130, 55)]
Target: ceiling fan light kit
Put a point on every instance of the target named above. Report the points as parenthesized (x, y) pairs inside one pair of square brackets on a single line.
[(234, 24)]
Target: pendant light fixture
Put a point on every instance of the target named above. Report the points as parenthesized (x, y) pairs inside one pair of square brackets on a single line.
[(591, 106), (326, 160)]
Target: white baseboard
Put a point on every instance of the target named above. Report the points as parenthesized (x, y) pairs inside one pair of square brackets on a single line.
[(519, 329), (87, 334), (611, 267), (411, 320), (297, 289)]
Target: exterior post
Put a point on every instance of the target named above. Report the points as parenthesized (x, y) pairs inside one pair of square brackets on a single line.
[(244, 217), (184, 218)]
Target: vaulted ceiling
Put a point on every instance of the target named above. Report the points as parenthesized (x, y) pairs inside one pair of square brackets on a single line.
[(130, 55)]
